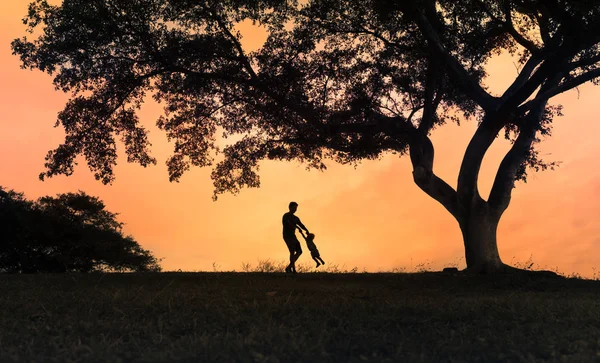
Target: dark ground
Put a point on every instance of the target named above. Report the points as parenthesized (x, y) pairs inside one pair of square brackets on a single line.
[(308, 317)]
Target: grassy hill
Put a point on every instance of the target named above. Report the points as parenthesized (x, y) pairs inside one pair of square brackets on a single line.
[(273, 317)]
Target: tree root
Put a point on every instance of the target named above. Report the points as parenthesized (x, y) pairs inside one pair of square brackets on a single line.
[(504, 269)]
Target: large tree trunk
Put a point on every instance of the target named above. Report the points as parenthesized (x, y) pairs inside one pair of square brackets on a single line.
[(479, 229), (478, 219)]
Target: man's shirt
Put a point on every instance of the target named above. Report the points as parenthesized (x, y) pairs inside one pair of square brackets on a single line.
[(290, 221)]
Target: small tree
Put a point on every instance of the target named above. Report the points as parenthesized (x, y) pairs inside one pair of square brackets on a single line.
[(19, 242), (70, 232), (339, 80)]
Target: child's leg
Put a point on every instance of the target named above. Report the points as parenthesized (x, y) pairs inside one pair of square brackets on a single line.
[(317, 261), (322, 262)]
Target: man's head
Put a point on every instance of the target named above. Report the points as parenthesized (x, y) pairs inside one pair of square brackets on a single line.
[(293, 206)]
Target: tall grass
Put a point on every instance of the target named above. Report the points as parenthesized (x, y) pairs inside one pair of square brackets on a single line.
[(270, 265)]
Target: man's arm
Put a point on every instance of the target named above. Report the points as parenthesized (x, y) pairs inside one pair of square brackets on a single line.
[(298, 223), (302, 233)]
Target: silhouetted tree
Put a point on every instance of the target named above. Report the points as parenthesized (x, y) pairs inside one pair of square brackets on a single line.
[(70, 232), (340, 80), (18, 239)]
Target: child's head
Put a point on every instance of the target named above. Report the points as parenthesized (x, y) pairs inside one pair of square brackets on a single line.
[(310, 236)]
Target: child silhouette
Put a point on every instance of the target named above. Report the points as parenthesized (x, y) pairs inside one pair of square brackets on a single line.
[(314, 252)]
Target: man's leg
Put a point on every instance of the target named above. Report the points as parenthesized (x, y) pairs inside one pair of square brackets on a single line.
[(297, 254), (289, 267), (291, 247), (292, 261)]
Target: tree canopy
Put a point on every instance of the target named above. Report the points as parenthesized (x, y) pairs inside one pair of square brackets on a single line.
[(69, 232), (347, 81), (335, 80)]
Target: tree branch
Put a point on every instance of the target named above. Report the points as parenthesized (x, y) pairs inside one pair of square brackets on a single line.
[(565, 86), (523, 76), (430, 103), (396, 128), (412, 113), (382, 38), (469, 85), (584, 62), (236, 43), (361, 30), (509, 25), (542, 16), (469, 169), (421, 155), (391, 126), (555, 62), (215, 76), (504, 182), (520, 94), (309, 115)]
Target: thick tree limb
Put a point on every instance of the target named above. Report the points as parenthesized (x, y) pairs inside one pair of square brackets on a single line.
[(545, 71), (504, 182), (469, 169), (518, 37), (542, 19), (565, 86), (557, 62), (469, 85), (526, 72), (421, 156), (509, 26)]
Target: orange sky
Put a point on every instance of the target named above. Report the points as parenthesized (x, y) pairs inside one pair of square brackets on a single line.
[(373, 217)]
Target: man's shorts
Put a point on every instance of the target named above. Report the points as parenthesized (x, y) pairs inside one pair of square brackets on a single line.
[(292, 243)]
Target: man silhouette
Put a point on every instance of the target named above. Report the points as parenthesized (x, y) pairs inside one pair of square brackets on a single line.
[(290, 223)]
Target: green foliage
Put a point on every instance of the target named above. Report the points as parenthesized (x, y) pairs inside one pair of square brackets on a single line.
[(70, 232)]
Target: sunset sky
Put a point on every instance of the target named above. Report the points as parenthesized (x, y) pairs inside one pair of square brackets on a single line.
[(373, 217)]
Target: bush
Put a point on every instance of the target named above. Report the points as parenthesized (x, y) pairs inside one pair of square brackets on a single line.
[(70, 232)]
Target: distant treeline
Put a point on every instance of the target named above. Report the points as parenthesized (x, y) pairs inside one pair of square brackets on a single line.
[(71, 232)]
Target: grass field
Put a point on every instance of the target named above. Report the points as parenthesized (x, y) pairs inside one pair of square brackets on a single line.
[(273, 317)]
